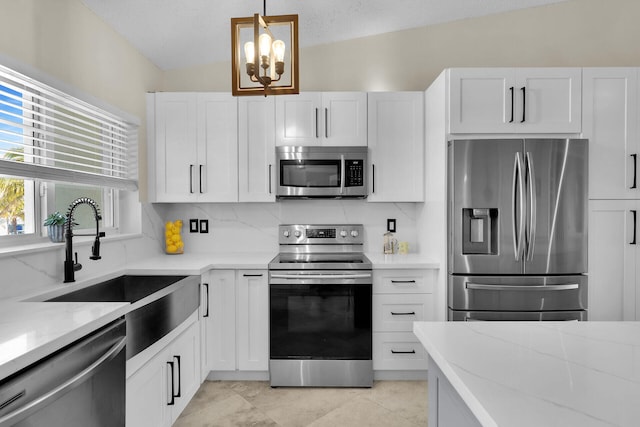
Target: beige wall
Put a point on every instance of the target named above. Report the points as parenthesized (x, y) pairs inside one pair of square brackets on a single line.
[(574, 33), (66, 41)]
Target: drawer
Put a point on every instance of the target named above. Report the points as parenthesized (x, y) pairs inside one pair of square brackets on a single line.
[(398, 351), (403, 281), (396, 313)]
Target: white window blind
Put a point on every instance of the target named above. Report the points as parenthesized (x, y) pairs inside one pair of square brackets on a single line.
[(49, 135)]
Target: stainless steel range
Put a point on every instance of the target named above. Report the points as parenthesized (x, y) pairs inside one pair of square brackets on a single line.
[(320, 287)]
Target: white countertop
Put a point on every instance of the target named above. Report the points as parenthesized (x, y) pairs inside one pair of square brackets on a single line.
[(397, 261), (189, 263), (541, 373), (30, 331)]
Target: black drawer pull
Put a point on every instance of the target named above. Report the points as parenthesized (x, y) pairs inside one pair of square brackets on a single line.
[(635, 170), (408, 313), (512, 99), (635, 214), (179, 394), (403, 281), (403, 352), (252, 275)]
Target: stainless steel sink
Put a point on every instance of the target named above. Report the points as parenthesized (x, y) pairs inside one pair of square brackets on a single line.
[(177, 298)]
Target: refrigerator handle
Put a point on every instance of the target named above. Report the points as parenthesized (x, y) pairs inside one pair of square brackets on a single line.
[(531, 189), (518, 201)]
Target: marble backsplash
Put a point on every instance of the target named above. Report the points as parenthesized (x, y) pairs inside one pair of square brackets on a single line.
[(253, 226)]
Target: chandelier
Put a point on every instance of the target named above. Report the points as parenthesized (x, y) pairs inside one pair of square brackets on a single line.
[(270, 48)]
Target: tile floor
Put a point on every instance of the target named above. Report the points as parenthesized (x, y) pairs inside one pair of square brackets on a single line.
[(254, 403)]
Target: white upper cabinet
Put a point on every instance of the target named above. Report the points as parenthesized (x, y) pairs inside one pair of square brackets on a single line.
[(396, 146), (515, 100), (193, 140), (256, 149), (322, 118), (610, 122)]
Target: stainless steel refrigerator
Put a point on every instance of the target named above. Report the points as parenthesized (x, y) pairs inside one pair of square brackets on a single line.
[(517, 229)]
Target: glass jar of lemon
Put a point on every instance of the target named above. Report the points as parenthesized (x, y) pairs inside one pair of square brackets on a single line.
[(173, 238)]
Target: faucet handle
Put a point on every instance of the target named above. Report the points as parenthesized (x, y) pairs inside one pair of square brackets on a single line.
[(95, 250)]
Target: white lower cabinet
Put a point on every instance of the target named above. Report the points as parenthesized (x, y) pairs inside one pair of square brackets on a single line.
[(160, 390), (400, 297), (613, 257), (236, 331)]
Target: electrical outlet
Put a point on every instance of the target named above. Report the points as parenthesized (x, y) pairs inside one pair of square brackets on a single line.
[(193, 226), (391, 225), (204, 225)]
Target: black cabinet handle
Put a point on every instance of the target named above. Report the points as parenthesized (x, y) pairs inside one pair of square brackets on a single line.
[(200, 179), (317, 123), (252, 275), (403, 281), (511, 89), (635, 170), (403, 352), (206, 313), (179, 375), (326, 123), (635, 228), (173, 386), (373, 178), (191, 179), (408, 313), (270, 179), (524, 103)]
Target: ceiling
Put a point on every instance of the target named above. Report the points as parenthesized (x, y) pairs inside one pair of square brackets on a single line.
[(177, 34)]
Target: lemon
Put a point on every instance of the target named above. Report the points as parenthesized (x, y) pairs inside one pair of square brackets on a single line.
[(172, 249)]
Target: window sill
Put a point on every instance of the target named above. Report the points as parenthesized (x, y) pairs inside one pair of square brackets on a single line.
[(46, 245)]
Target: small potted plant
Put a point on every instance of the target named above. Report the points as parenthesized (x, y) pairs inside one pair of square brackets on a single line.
[(55, 225)]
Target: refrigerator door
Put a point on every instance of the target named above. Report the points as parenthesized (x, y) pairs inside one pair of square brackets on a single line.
[(556, 209), (486, 206)]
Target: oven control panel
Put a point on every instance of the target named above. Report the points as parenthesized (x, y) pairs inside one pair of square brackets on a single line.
[(305, 234)]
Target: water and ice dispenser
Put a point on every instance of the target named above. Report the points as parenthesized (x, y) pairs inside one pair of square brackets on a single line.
[(480, 231)]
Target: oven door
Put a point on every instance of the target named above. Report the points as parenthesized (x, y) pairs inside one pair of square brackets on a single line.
[(320, 316)]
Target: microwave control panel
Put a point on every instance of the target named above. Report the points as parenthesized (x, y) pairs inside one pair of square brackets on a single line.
[(354, 173)]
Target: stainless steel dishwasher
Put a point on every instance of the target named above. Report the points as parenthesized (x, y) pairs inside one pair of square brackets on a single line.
[(81, 385)]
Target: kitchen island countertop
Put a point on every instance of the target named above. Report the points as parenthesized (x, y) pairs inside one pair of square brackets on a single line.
[(540, 373), (30, 331)]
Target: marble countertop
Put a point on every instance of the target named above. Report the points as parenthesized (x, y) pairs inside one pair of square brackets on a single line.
[(30, 331), (541, 373)]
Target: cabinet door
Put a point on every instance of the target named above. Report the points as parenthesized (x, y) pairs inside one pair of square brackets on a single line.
[(344, 118), (298, 119), (184, 352), (396, 146), (613, 256), (610, 115), (398, 351), (220, 343), (147, 395), (256, 149), (548, 100), (176, 155), (253, 320), (482, 100), (216, 177)]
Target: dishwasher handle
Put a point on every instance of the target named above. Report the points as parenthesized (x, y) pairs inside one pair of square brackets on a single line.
[(524, 288), (54, 394)]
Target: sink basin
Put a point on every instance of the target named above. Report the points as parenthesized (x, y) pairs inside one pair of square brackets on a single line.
[(126, 288), (150, 322)]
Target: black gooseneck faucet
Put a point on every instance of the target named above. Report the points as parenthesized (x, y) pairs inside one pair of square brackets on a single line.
[(71, 265)]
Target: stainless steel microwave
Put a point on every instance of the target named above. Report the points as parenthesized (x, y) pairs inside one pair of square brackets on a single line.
[(321, 172)]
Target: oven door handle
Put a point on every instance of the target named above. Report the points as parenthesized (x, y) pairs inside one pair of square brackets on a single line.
[(525, 288), (321, 276)]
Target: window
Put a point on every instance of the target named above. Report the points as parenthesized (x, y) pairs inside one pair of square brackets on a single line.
[(55, 148)]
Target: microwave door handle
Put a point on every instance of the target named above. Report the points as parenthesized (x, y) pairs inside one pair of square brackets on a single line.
[(342, 164)]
